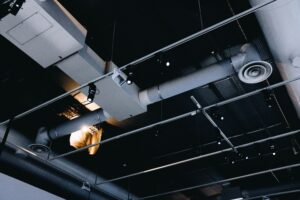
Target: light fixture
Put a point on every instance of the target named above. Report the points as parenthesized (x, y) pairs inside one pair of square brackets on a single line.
[(86, 136), (168, 64), (84, 129), (129, 82), (92, 92)]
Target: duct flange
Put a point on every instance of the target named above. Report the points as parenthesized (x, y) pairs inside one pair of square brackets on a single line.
[(255, 72), (39, 148)]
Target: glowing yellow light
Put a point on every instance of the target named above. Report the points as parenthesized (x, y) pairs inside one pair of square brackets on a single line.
[(85, 129)]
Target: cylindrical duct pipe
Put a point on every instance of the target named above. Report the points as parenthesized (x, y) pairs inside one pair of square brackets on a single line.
[(43, 176), (209, 74), (89, 119), (280, 23), (44, 136), (204, 76), (174, 87)]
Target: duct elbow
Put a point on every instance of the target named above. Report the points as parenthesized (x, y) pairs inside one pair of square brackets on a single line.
[(250, 67), (247, 54)]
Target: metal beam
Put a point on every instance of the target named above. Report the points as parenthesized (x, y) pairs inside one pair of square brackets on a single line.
[(192, 113), (223, 181), (144, 58)]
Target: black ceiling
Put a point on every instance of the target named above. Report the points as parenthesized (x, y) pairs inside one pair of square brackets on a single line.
[(123, 31)]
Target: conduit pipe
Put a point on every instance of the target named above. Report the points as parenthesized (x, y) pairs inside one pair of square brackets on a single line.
[(280, 23)]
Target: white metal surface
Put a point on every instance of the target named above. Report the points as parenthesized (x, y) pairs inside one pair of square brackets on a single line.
[(280, 23)]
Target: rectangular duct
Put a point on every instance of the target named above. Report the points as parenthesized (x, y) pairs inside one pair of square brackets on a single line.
[(46, 38)]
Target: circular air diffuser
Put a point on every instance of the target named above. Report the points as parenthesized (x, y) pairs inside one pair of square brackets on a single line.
[(39, 148), (255, 72)]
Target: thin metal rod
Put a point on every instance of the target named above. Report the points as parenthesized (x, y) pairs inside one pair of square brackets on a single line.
[(223, 181), (275, 194), (214, 142), (279, 107), (275, 177), (4, 139), (192, 113), (243, 96), (213, 123), (144, 58), (202, 156), (219, 129)]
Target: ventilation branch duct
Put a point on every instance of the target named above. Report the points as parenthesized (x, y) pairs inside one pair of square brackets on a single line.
[(246, 62), (280, 23)]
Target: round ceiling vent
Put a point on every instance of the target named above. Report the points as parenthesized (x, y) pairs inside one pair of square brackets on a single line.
[(39, 148), (255, 72)]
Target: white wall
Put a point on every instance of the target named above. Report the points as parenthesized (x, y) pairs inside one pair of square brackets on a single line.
[(13, 189)]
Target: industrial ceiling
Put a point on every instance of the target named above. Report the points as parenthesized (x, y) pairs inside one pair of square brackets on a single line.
[(195, 99)]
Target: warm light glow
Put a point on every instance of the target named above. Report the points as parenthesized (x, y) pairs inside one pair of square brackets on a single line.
[(84, 129), (86, 136)]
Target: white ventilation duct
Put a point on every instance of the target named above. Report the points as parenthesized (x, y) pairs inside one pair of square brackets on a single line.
[(247, 63), (45, 31), (246, 58), (280, 23)]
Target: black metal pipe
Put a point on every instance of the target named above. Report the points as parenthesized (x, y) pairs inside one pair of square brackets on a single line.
[(45, 177), (89, 119)]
